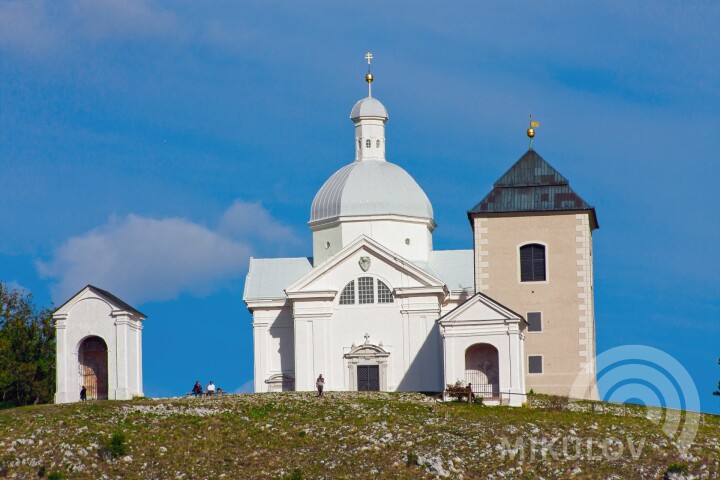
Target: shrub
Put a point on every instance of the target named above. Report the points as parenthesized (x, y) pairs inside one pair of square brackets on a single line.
[(56, 476), (294, 475), (412, 459), (116, 446), (677, 468)]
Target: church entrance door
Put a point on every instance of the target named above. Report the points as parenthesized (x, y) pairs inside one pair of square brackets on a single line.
[(93, 358), (368, 378)]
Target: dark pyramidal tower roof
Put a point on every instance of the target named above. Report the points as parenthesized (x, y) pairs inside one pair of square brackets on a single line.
[(532, 185)]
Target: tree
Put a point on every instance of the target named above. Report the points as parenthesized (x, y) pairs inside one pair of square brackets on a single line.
[(27, 350)]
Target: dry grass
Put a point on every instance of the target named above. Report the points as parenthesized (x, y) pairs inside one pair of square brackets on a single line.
[(345, 435)]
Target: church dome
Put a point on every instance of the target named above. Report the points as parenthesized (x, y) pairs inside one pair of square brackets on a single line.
[(370, 188), (369, 107)]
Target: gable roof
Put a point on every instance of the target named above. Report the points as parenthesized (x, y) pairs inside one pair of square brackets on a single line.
[(532, 185), (454, 267), (120, 304), (268, 277), (377, 249), (501, 310)]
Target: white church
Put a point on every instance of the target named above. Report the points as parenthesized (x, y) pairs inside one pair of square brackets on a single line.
[(377, 308)]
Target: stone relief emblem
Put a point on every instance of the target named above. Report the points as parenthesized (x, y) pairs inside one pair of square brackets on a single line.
[(364, 263)]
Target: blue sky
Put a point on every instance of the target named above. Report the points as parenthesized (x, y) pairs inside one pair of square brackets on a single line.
[(150, 148)]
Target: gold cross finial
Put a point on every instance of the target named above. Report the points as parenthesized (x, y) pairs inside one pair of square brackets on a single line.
[(369, 77)]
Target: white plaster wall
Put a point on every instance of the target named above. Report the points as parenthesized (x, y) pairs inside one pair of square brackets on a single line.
[(410, 238), (325, 330), (274, 339)]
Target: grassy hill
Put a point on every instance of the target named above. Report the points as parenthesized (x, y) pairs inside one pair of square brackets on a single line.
[(345, 435)]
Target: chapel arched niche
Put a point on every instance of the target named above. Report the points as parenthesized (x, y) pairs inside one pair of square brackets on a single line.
[(93, 367), (482, 370)]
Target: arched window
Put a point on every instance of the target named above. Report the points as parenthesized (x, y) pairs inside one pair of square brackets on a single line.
[(368, 144), (532, 263), (366, 290), (377, 143), (347, 297), (384, 293)]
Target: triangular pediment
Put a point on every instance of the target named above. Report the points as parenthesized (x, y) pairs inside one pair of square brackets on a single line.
[(480, 308), (91, 291), (363, 255)]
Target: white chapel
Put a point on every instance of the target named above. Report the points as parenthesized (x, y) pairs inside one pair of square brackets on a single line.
[(377, 308)]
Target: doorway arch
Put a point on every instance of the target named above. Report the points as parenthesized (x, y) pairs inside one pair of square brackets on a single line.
[(93, 360), (482, 370)]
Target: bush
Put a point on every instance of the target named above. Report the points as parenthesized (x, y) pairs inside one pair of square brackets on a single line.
[(294, 475), (116, 446), (56, 476), (677, 468)]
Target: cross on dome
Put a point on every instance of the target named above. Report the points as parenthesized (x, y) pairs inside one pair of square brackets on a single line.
[(367, 338), (369, 77)]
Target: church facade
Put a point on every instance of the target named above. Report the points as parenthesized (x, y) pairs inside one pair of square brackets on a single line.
[(377, 308)]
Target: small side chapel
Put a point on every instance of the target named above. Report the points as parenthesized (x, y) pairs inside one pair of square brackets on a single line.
[(99, 346), (377, 308)]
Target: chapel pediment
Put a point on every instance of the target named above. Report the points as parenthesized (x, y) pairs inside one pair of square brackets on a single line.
[(362, 257)]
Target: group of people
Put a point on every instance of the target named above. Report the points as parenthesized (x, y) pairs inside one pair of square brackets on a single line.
[(210, 390)]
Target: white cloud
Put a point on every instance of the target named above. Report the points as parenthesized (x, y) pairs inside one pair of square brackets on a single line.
[(25, 26), (143, 259), (40, 28), (235, 220), (106, 19)]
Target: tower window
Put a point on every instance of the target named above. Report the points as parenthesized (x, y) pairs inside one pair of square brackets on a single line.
[(366, 290), (532, 263), (534, 321), (347, 297), (535, 364), (384, 293), (377, 143), (359, 143), (368, 144)]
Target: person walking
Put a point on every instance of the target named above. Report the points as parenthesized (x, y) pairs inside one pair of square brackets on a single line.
[(320, 384), (83, 394)]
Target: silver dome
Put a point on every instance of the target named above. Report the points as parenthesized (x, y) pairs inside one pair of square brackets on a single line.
[(370, 188), (369, 107)]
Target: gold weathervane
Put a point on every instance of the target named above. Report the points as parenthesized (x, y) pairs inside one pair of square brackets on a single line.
[(369, 77), (531, 130)]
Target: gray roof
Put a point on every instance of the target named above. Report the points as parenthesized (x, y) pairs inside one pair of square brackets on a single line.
[(369, 107), (532, 185), (454, 267), (370, 187), (268, 277), (108, 296)]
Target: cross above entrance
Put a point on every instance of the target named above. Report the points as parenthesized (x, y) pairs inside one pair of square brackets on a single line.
[(367, 338)]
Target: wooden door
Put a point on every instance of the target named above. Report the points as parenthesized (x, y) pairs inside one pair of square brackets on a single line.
[(94, 368)]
